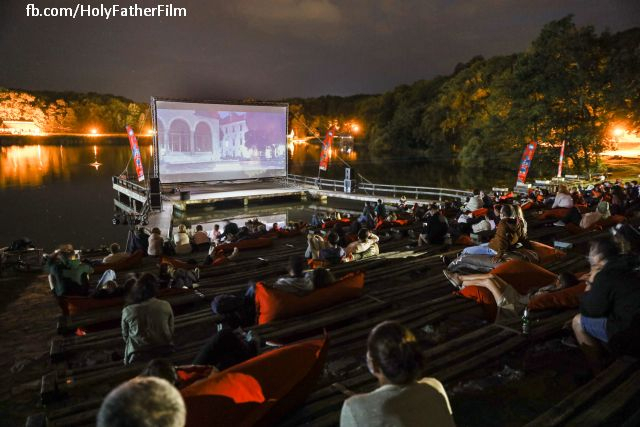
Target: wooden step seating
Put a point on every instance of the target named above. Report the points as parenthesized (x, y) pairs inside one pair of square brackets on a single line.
[(61, 347), (49, 380), (448, 362), (606, 400), (213, 282), (353, 336), (427, 311)]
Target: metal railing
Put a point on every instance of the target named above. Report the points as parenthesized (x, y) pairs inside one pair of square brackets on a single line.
[(379, 189), (130, 185), (408, 191), (319, 183)]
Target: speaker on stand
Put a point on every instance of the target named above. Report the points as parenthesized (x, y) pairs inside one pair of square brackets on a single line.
[(155, 195)]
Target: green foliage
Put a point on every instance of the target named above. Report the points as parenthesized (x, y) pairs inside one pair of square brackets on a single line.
[(70, 112), (571, 85)]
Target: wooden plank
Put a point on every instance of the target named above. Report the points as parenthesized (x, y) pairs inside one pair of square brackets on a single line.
[(610, 404), (586, 395)]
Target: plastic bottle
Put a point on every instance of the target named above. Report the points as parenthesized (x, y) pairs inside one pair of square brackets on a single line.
[(526, 322)]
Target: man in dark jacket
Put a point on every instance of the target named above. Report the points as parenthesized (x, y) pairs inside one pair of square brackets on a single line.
[(435, 228), (610, 302)]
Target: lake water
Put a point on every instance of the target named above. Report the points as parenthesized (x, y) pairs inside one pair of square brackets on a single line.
[(55, 194)]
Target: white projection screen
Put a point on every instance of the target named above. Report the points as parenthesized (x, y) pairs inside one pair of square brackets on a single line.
[(219, 142)]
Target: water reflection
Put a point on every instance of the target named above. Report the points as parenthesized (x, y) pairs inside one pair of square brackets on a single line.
[(96, 164), (29, 165)]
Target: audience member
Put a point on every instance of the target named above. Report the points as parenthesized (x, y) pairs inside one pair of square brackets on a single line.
[(200, 239), (114, 254), (404, 397), (67, 274), (147, 322), (143, 402), (155, 243), (611, 300)]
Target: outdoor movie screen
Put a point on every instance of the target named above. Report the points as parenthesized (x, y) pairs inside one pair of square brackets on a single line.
[(217, 142)]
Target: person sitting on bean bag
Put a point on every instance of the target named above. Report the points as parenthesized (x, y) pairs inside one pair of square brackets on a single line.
[(510, 234)]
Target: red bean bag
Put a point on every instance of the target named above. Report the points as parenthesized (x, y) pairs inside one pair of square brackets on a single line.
[(464, 240), (479, 212), (484, 297), (133, 260), (566, 298), (72, 305), (273, 304), (523, 275), (258, 392), (258, 243), (557, 213), (526, 206), (546, 253)]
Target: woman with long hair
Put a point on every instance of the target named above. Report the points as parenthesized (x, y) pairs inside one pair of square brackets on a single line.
[(404, 397)]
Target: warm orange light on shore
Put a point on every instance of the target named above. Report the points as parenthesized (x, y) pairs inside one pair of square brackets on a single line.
[(618, 131), (93, 131), (355, 128), (150, 132)]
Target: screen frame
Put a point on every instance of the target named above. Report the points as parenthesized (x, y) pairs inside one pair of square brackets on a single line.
[(154, 119)]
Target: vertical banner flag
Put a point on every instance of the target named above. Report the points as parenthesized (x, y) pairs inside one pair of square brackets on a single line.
[(135, 151), (326, 149), (525, 163), (561, 159)]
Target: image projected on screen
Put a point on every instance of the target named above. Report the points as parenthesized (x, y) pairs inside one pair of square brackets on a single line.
[(219, 142)]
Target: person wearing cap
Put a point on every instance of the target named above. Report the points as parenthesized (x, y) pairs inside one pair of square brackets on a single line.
[(67, 274)]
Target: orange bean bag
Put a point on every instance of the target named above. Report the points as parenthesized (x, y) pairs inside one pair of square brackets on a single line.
[(273, 304), (484, 297), (479, 212), (133, 260), (72, 305), (245, 244), (523, 275), (566, 298), (258, 392), (526, 206), (557, 213), (464, 240), (546, 253)]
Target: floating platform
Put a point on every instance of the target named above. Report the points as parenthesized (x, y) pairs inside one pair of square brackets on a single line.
[(244, 197)]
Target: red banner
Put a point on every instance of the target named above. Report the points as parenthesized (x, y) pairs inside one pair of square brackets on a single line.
[(561, 159), (326, 149), (525, 163), (135, 151)]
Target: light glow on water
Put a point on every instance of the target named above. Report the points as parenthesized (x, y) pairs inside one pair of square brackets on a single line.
[(26, 166)]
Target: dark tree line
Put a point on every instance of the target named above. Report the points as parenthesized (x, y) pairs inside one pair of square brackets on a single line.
[(571, 85)]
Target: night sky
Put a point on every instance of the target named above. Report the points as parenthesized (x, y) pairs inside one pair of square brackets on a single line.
[(271, 49)]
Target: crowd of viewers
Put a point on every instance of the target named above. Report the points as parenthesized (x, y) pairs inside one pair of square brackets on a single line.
[(608, 310)]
